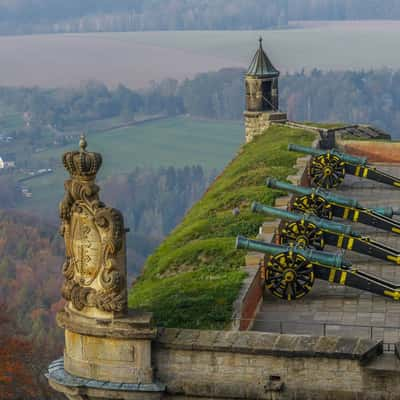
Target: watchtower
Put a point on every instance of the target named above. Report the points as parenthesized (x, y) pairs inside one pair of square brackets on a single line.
[(262, 95)]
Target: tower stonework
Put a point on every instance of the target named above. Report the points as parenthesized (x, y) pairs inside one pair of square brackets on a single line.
[(107, 348), (262, 95)]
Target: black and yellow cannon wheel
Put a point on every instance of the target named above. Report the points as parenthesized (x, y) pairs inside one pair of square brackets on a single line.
[(289, 275), (327, 171), (302, 234), (313, 204)]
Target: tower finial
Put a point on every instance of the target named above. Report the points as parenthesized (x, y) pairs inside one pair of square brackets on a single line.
[(260, 40)]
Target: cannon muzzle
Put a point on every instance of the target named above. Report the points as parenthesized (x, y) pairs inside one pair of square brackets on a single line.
[(314, 256), (288, 187), (386, 211)]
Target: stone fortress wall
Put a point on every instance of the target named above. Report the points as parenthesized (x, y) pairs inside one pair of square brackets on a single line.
[(254, 365)]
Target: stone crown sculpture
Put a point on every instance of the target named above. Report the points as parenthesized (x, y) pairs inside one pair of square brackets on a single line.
[(94, 235), (82, 164)]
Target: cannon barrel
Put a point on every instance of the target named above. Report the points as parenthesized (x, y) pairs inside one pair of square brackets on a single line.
[(330, 197), (304, 191), (387, 211), (317, 152), (340, 229), (314, 256)]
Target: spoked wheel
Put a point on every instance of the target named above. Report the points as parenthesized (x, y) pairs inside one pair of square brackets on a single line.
[(289, 275), (302, 234), (327, 171), (313, 204)]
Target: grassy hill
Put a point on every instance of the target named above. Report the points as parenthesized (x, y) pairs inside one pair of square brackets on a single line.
[(194, 277)]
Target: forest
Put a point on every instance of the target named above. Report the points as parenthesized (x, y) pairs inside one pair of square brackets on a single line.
[(55, 16), (348, 96), (30, 254), (26, 16), (343, 9)]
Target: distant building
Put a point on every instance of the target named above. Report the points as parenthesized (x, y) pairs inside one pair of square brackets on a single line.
[(7, 161), (262, 95)]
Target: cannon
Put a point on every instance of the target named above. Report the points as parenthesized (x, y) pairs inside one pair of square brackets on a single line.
[(291, 271), (327, 205), (329, 167), (306, 230)]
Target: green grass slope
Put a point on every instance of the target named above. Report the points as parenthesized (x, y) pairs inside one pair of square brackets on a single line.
[(194, 277)]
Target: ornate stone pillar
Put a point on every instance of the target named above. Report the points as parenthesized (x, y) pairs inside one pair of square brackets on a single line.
[(107, 351)]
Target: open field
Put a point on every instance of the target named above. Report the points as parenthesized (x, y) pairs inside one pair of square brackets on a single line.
[(177, 141), (135, 58)]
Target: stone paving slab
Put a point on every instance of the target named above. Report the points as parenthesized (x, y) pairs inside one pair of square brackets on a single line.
[(330, 309)]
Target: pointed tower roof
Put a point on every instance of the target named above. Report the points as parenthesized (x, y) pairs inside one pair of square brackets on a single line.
[(261, 66)]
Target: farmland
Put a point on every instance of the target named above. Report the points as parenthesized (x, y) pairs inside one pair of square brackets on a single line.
[(136, 58), (176, 141)]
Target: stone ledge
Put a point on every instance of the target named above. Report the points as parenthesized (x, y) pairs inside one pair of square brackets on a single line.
[(269, 227), (137, 325), (282, 202), (267, 115), (253, 259), (386, 362), (270, 344), (57, 374)]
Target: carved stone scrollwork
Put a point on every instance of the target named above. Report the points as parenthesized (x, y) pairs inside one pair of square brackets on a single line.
[(94, 235)]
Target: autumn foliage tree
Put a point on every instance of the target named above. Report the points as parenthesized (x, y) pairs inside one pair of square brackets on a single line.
[(30, 281), (16, 373)]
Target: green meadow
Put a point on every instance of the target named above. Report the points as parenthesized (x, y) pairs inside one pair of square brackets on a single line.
[(177, 142)]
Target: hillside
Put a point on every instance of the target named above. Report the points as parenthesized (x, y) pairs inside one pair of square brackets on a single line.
[(194, 277)]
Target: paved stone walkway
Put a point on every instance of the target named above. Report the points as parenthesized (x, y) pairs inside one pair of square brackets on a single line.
[(335, 310)]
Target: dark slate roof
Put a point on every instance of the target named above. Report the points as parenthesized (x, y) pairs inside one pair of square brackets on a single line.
[(362, 131), (261, 66)]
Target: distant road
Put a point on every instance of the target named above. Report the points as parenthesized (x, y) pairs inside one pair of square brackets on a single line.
[(136, 58)]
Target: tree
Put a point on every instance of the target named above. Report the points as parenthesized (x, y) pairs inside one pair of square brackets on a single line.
[(16, 375)]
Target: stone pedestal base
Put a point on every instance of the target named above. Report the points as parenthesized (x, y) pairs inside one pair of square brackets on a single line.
[(114, 360), (106, 359), (257, 122)]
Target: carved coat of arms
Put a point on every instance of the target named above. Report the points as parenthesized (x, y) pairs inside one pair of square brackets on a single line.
[(95, 264)]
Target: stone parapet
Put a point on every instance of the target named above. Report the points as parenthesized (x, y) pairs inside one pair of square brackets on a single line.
[(256, 122), (136, 325), (254, 365), (270, 344)]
